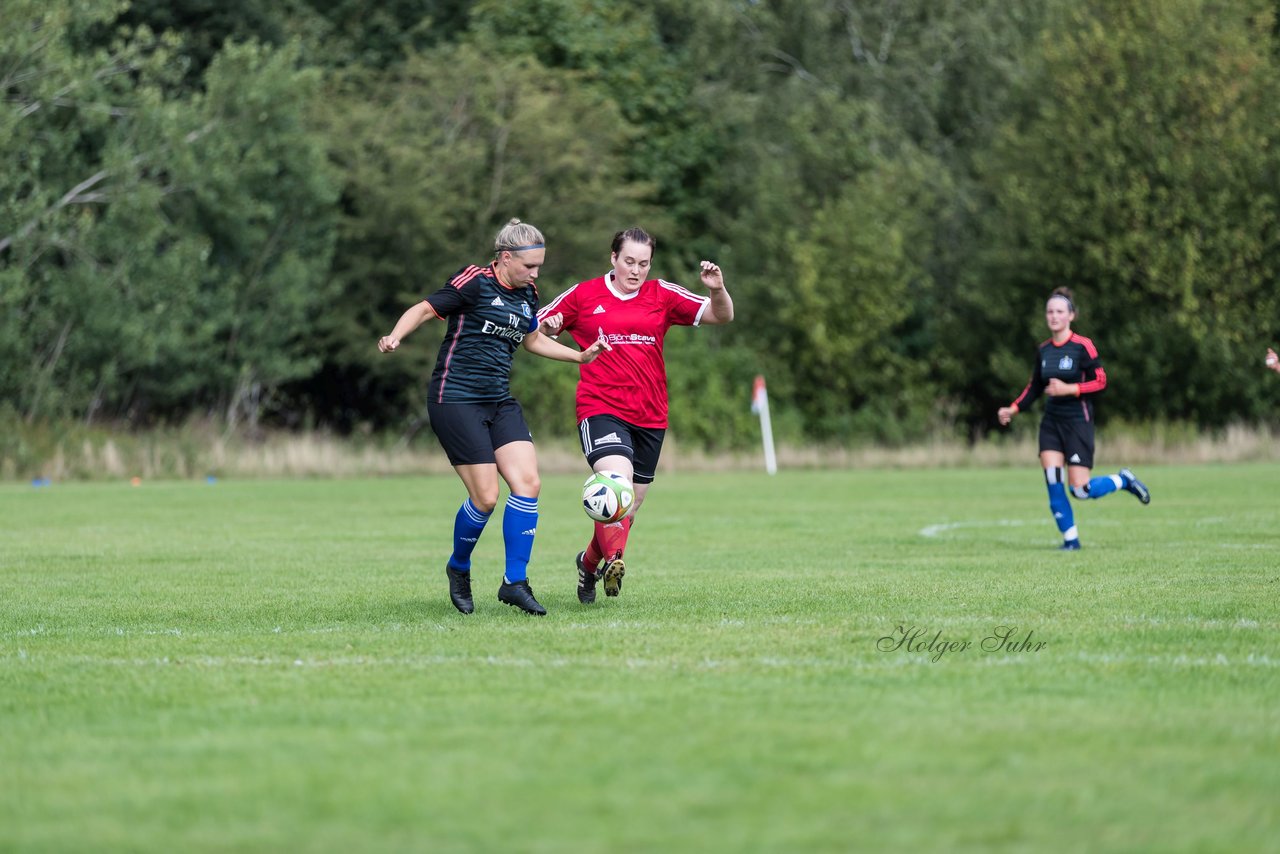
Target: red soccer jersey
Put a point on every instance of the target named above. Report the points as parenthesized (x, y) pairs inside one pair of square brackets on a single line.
[(630, 381)]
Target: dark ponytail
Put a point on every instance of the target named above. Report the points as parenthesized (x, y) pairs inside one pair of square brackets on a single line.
[(1064, 293)]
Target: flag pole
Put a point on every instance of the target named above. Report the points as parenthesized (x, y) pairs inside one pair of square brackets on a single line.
[(760, 406)]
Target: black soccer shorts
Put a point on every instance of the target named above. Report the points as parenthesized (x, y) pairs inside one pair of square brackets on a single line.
[(1074, 439), (471, 432), (608, 435)]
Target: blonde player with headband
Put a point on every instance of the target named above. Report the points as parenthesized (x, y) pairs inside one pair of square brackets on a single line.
[(490, 310)]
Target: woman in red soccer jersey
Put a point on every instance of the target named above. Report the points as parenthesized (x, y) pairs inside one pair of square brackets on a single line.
[(490, 311), (622, 396), (1069, 370)]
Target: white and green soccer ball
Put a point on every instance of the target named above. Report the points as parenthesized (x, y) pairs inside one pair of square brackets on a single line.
[(608, 496)]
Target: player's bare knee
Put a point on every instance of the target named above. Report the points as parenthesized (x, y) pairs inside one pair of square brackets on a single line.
[(528, 486), (485, 501)]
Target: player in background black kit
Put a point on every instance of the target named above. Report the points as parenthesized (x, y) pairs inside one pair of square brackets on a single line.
[(490, 310), (1069, 371)]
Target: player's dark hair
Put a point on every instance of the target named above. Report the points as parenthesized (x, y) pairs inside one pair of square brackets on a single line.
[(635, 235), (1064, 292)]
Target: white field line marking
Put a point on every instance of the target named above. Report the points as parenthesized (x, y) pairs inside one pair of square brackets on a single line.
[(1192, 621), (1253, 659), (935, 530), (385, 628), (859, 662), (944, 527)]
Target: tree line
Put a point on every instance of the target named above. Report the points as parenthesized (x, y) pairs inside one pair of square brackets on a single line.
[(216, 210)]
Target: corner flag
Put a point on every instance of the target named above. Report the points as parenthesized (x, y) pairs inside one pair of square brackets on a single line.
[(760, 406)]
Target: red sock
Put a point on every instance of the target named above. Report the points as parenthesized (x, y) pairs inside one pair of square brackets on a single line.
[(595, 553), (613, 538), (608, 541)]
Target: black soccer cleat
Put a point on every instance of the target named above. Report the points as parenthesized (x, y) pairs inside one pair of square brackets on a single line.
[(520, 596), (1137, 487), (613, 572), (460, 589), (1069, 546), (587, 579)]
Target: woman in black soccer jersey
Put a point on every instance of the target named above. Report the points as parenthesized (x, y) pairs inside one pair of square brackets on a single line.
[(1069, 371), (481, 427)]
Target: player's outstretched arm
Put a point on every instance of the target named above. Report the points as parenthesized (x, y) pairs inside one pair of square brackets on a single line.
[(416, 315), (540, 345)]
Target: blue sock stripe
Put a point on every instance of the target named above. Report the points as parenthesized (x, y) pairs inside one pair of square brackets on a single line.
[(474, 512), (528, 505)]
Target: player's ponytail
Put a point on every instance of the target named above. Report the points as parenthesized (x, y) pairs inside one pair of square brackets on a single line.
[(635, 235), (517, 236), (1064, 293)]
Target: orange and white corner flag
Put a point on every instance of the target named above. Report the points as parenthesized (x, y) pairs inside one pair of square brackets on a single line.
[(759, 397), (760, 406)]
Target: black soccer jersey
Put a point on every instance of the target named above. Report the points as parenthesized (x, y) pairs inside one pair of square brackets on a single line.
[(487, 320), (1074, 361)]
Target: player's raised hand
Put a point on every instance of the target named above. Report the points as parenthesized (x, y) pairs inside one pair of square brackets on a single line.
[(711, 276), (386, 344)]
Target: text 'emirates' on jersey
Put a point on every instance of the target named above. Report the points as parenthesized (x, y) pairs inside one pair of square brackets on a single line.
[(486, 322)]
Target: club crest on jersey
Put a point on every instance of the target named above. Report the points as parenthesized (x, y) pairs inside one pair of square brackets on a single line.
[(1065, 363), (524, 306)]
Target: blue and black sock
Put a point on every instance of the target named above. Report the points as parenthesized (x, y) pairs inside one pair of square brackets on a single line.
[(1060, 505), (1099, 487), (467, 527), (519, 525)]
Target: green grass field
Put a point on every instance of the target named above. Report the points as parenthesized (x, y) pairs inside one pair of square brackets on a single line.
[(253, 666)]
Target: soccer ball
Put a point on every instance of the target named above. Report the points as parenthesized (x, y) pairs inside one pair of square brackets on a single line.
[(608, 496)]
